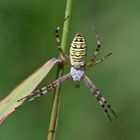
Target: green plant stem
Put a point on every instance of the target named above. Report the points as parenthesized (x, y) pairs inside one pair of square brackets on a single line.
[(56, 102)]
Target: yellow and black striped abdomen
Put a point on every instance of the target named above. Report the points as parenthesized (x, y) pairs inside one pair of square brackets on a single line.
[(78, 51)]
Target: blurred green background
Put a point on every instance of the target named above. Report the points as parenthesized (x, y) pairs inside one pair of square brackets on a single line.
[(27, 41)]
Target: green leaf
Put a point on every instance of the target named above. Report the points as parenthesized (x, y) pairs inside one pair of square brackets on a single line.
[(9, 103)]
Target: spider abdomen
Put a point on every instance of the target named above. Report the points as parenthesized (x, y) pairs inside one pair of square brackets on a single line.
[(78, 51)]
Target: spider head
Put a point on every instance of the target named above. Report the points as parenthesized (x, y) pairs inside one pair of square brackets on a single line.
[(77, 74)]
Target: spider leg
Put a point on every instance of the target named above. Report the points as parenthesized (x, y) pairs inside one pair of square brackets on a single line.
[(37, 93), (62, 53), (101, 59), (91, 61), (102, 101)]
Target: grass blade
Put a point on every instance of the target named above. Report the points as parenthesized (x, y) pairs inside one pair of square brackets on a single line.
[(9, 103), (56, 102)]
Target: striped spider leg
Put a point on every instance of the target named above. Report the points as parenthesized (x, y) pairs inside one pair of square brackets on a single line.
[(38, 93), (102, 101), (101, 59), (63, 55), (92, 61)]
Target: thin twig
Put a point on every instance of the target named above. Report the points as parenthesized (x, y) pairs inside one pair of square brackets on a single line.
[(56, 102)]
